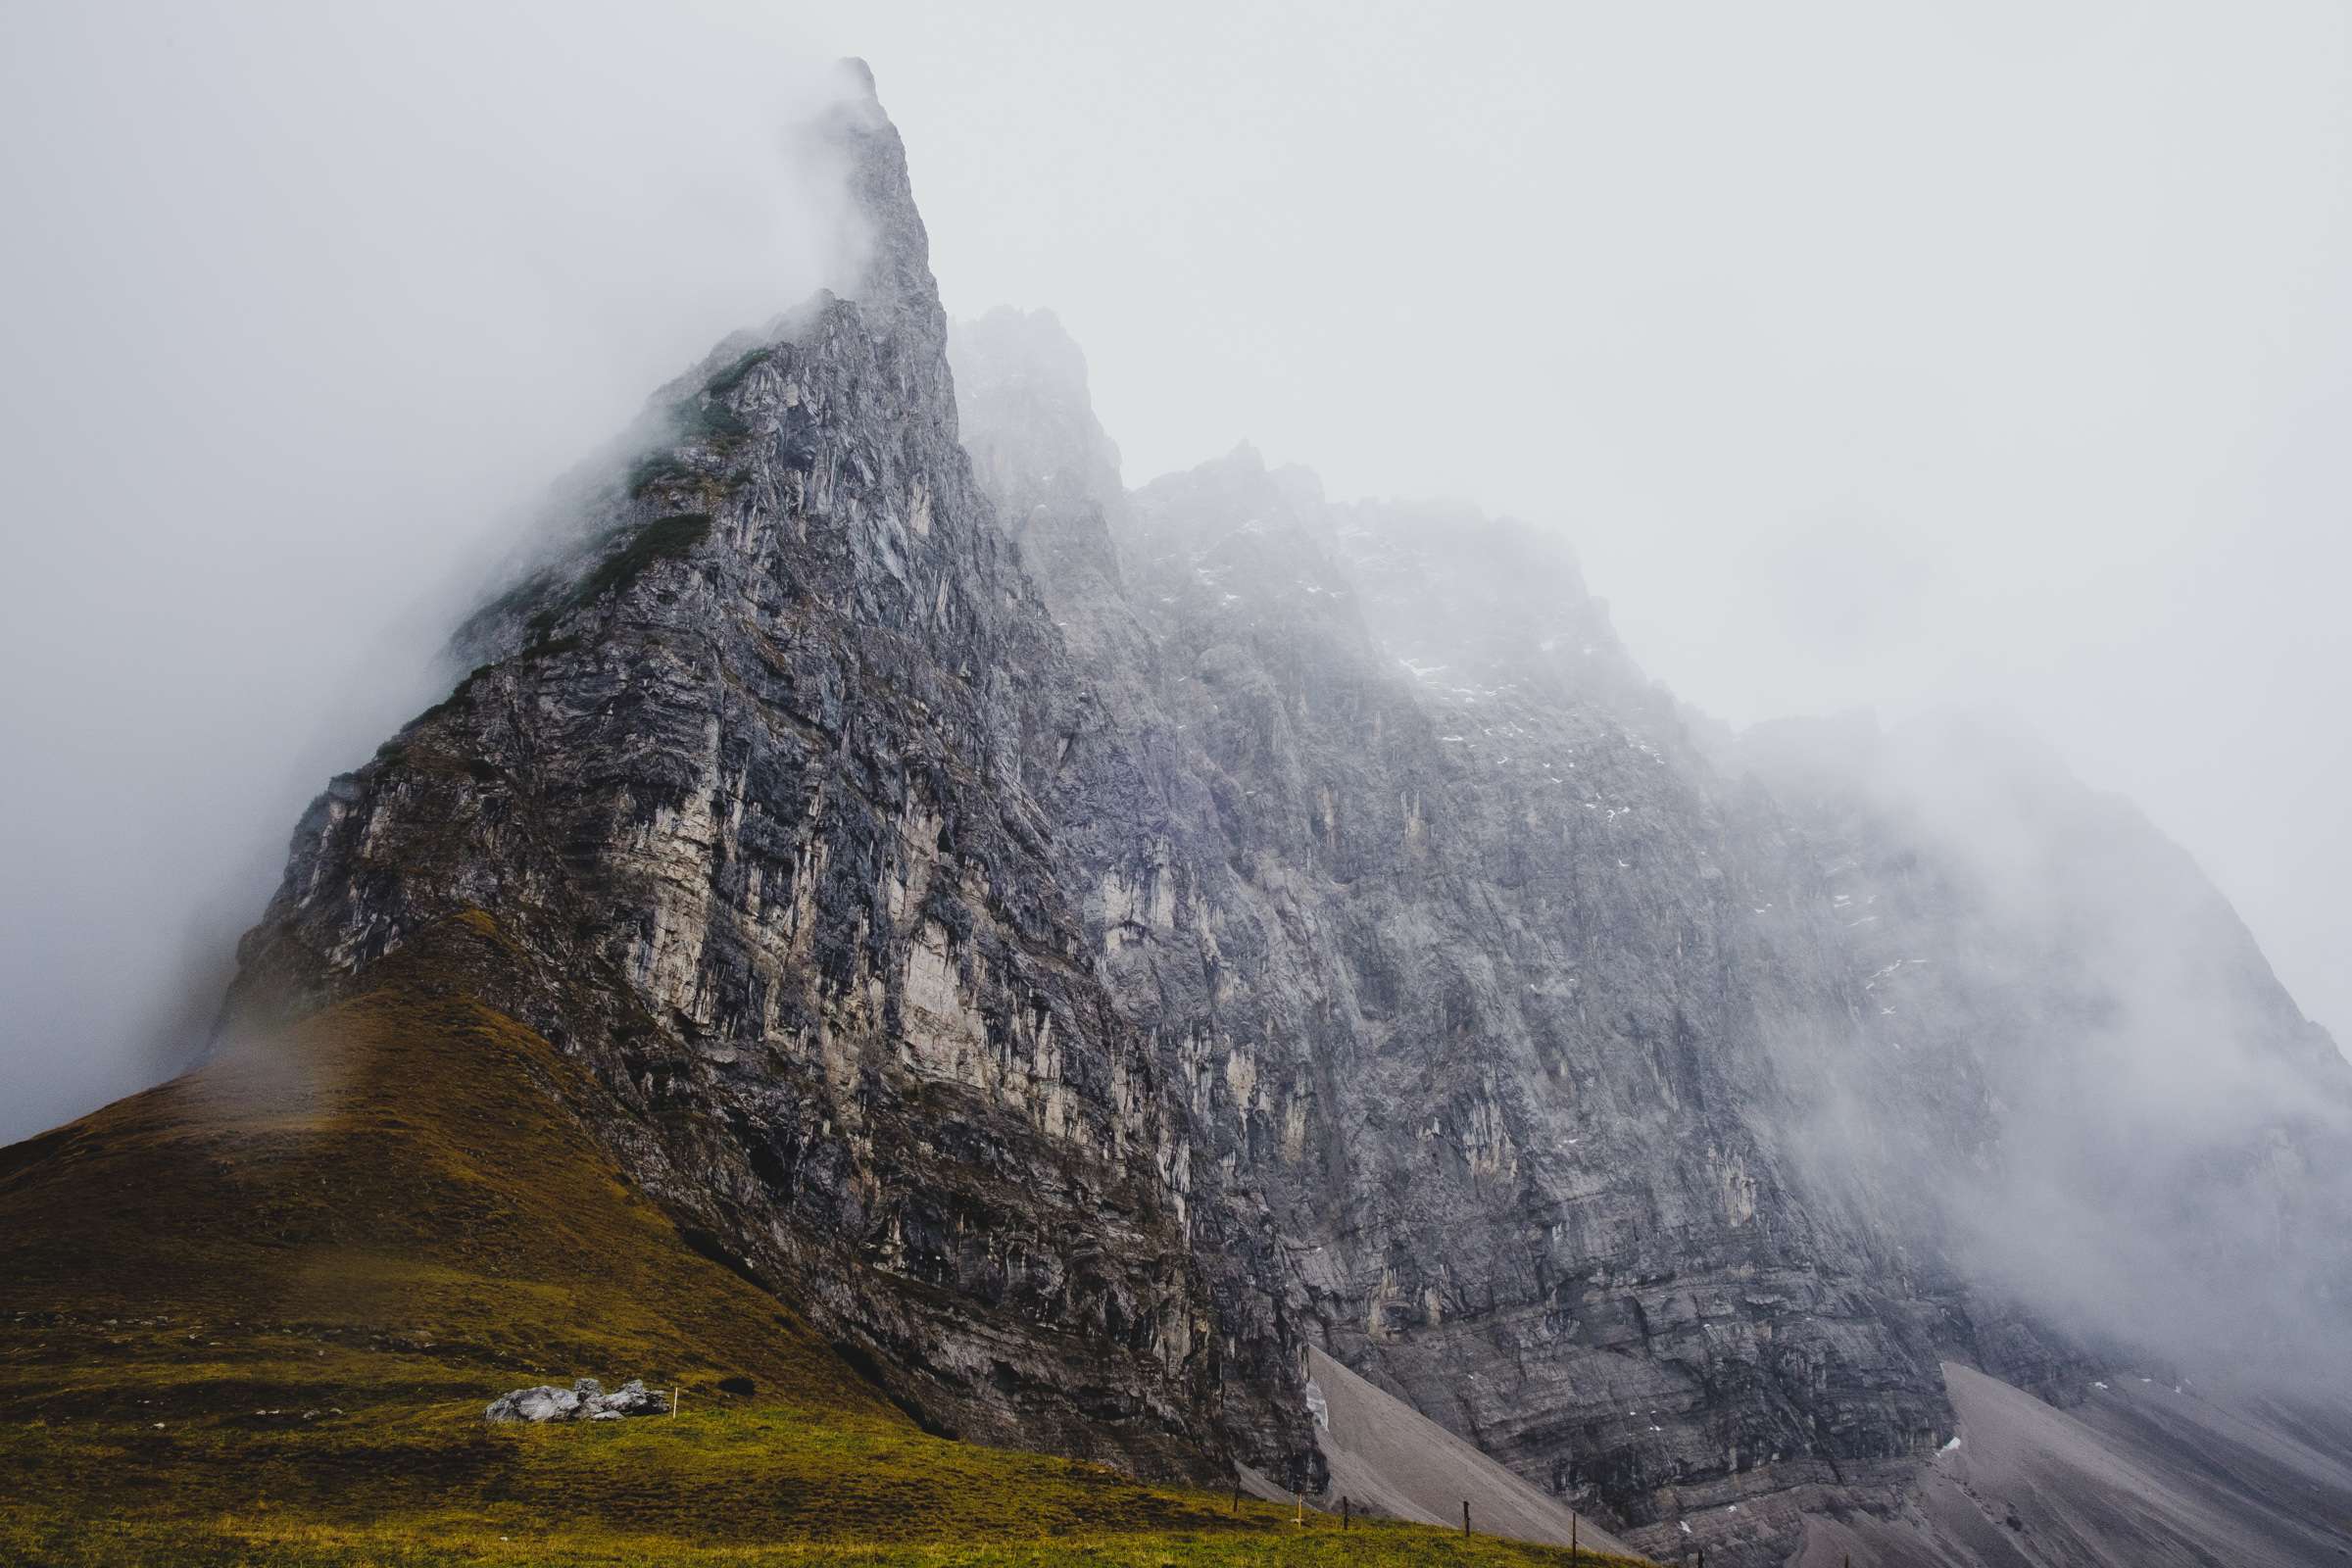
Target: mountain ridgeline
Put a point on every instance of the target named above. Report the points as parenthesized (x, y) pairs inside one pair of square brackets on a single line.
[(1086, 949)]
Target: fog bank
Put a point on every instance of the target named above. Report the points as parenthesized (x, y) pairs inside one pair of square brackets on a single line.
[(309, 305)]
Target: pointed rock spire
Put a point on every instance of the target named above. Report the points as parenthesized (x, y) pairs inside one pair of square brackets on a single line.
[(896, 270)]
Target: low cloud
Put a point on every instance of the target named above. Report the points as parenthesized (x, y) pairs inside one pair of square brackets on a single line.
[(312, 304)]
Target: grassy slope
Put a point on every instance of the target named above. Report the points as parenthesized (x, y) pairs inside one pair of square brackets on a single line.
[(253, 1316)]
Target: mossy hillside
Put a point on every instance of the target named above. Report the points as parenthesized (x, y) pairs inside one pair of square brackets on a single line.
[(398, 1183), (254, 1316)]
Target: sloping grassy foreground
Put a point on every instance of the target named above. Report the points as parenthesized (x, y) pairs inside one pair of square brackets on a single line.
[(754, 1486), (253, 1316)]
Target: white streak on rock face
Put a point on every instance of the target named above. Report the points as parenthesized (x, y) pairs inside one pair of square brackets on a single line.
[(945, 1035), (1241, 1081), (1381, 1320), (1136, 903), (795, 786), (671, 849), (1486, 1146), (1294, 1117), (1738, 1187)]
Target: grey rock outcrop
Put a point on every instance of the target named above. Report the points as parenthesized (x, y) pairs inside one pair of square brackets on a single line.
[(585, 1401)]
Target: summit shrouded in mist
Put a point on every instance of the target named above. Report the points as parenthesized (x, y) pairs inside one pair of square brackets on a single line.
[(1248, 989)]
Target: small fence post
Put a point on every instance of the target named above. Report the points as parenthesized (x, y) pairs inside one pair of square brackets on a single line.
[(673, 1404), (1347, 1512), (1466, 1521), (1298, 1506), (1572, 1537)]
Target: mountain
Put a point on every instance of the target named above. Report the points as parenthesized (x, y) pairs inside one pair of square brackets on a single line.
[(1082, 958), (1656, 1108), (759, 772)]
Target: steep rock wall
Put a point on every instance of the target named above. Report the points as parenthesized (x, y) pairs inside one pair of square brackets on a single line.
[(759, 766), (1550, 1029)]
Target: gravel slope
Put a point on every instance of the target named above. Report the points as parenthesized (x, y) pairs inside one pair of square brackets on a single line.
[(1388, 1457), (2141, 1476)]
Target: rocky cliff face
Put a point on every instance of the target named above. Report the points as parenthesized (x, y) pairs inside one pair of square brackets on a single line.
[(762, 771), (1086, 947), (1450, 955), (1651, 1109)]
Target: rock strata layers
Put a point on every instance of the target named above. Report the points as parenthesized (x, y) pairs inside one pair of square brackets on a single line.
[(759, 774), (1654, 1108)]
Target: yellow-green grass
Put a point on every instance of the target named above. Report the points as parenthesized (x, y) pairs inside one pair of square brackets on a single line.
[(254, 1315)]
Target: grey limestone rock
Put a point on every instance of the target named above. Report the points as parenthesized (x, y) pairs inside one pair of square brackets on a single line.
[(585, 1401), (1546, 1035), (759, 774)]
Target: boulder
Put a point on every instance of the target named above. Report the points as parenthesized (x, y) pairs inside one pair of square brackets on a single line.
[(585, 1401)]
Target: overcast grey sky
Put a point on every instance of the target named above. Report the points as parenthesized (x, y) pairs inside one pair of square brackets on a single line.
[(1870, 355)]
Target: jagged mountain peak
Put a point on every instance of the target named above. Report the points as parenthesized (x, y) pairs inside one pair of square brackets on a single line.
[(895, 270), (760, 775), (854, 70)]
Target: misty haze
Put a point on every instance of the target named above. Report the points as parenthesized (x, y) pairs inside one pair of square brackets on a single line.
[(979, 785)]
